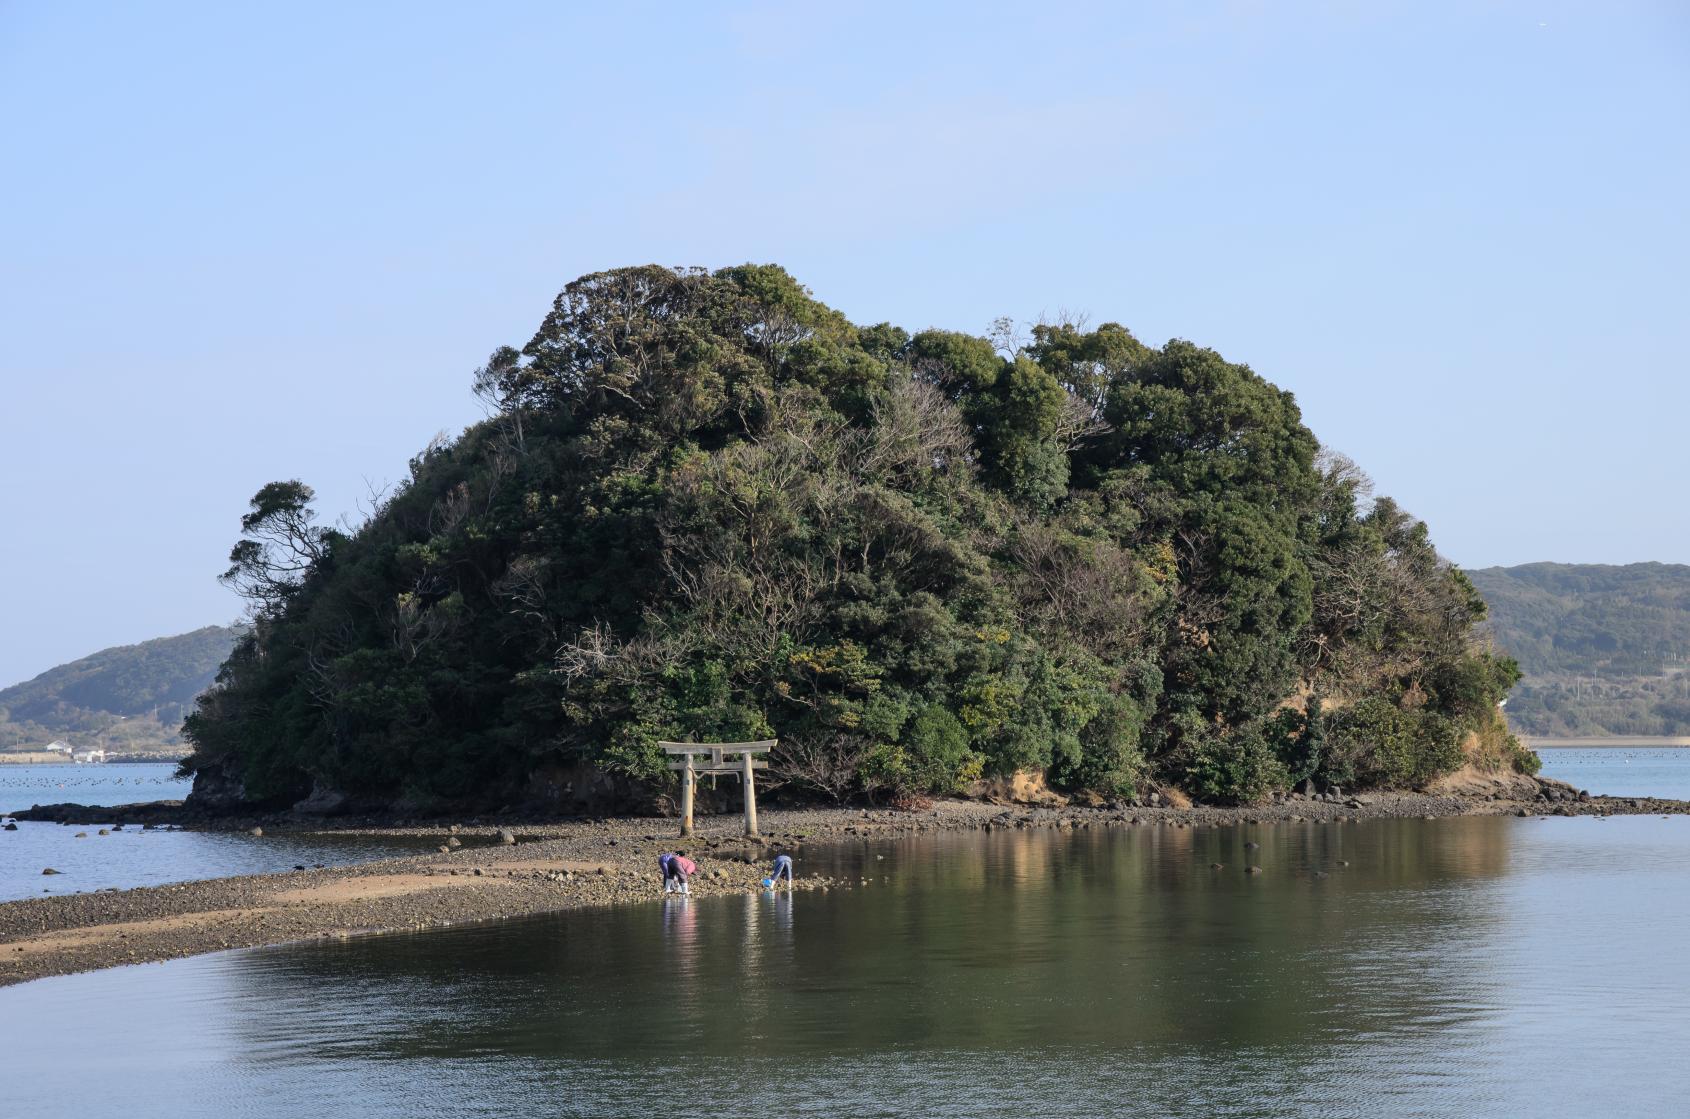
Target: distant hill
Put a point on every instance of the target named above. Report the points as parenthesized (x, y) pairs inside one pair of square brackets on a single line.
[(1604, 648), (131, 698)]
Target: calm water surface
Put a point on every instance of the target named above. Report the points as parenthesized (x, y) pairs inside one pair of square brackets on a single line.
[(133, 857), (1494, 966), (1622, 770), (24, 786)]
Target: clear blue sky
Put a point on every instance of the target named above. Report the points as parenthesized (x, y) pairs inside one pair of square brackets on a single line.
[(248, 242)]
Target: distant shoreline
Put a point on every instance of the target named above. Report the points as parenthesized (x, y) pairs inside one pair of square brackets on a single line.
[(42, 757), (1610, 742)]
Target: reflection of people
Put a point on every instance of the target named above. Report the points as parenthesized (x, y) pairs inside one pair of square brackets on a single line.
[(676, 868), (783, 865), (680, 925)]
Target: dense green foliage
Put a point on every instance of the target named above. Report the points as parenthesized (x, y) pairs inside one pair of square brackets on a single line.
[(1603, 648), (706, 506), (129, 698)]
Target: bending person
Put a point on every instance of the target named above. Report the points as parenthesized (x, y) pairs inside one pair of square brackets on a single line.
[(783, 865), (677, 868)]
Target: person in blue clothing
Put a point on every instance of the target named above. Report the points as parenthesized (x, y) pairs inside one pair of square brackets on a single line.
[(676, 868), (783, 865)]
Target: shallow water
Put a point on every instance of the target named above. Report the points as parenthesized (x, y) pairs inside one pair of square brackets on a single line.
[(133, 857), (1621, 771), (1494, 966)]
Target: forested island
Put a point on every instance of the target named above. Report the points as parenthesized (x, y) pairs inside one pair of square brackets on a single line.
[(705, 506), (1604, 648)]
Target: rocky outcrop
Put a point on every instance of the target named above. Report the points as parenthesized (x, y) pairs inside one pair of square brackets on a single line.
[(218, 790), (323, 801), (1471, 782), (1022, 787), (149, 813)]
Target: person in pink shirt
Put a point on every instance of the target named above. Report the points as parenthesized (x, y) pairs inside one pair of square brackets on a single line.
[(676, 868)]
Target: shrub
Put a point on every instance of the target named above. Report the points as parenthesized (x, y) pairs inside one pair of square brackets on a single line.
[(1375, 742), (1233, 767), (938, 758)]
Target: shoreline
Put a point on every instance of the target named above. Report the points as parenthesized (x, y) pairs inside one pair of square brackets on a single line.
[(1606, 742), (576, 864)]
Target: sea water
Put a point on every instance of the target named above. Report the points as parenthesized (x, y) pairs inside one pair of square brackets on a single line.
[(1473, 966)]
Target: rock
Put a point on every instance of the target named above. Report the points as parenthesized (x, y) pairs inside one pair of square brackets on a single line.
[(49, 870), (507, 837), (1343, 862), (444, 850), (218, 788), (1252, 870), (256, 831), (324, 800), (1252, 846), (1307, 787), (10, 826), (1521, 812), (299, 866), (1155, 799), (453, 843)]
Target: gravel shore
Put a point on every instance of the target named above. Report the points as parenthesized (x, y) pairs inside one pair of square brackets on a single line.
[(478, 875)]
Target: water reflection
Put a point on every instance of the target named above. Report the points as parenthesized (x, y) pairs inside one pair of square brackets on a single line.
[(1099, 939), (1452, 968)]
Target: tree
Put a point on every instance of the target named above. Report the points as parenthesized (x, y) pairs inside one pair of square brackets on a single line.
[(282, 545)]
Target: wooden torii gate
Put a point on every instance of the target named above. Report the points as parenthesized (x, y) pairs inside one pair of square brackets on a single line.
[(724, 757)]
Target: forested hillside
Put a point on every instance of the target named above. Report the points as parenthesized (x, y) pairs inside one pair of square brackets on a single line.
[(1603, 648), (706, 506), (130, 698)]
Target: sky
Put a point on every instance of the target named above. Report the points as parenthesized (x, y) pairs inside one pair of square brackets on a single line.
[(241, 243)]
